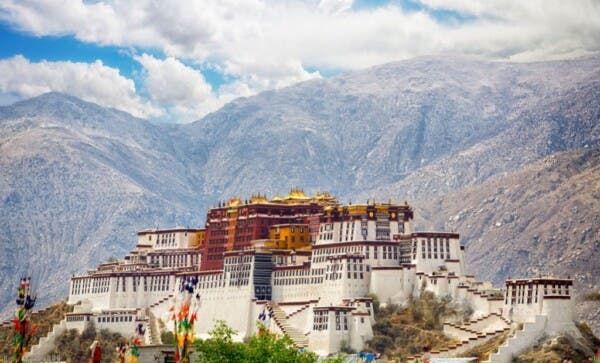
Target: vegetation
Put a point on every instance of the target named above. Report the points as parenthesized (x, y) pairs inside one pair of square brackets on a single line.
[(167, 337), (72, 346), (44, 319), (346, 348), (264, 347), (403, 331), (592, 296), (75, 348), (563, 347), (483, 351)]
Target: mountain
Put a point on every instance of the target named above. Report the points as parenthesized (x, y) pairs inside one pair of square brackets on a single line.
[(465, 119), (77, 180), (543, 219)]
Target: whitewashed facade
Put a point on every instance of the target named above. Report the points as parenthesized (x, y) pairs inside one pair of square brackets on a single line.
[(318, 296)]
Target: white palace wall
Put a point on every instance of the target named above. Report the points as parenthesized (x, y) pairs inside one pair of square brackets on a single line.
[(323, 297)]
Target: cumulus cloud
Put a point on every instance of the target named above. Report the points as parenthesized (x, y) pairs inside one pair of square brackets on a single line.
[(264, 44), (335, 6), (92, 82), (177, 87), (317, 33)]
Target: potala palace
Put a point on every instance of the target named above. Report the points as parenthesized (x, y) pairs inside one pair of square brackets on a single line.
[(312, 264)]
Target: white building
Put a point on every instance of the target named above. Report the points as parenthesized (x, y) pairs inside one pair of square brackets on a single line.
[(318, 295)]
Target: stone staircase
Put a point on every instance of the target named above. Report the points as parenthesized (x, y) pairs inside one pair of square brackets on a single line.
[(522, 339), (164, 299), (460, 347), (469, 335), (304, 307), (300, 340), (46, 344), (492, 322), (152, 329)]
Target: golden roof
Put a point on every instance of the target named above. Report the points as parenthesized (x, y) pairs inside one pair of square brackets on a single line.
[(277, 198), (234, 202), (258, 198), (297, 194)]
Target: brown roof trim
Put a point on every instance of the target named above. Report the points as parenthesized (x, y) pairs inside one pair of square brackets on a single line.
[(304, 266), (361, 299), (278, 252), (355, 243), (543, 280), (335, 308), (153, 272), (386, 268), (436, 234), (289, 225), (239, 252), (290, 303), (208, 272), (346, 255), (170, 230)]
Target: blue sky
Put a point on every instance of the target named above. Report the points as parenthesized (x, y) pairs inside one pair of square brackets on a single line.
[(177, 63), (68, 48)]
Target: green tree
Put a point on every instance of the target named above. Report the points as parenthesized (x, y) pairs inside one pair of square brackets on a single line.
[(266, 347), (220, 347)]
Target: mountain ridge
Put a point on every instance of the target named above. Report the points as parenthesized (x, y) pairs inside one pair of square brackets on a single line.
[(79, 180)]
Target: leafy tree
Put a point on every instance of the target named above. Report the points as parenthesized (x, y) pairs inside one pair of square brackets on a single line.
[(266, 347), (220, 347)]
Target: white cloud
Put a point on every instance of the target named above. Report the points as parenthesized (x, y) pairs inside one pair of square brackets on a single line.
[(92, 82), (178, 88), (264, 44), (335, 6), (247, 33)]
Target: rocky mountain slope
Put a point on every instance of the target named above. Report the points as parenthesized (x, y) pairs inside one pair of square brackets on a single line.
[(457, 121), (77, 180), (543, 219)]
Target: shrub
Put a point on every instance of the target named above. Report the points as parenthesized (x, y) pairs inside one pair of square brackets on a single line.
[(167, 337), (75, 348), (346, 348), (381, 343)]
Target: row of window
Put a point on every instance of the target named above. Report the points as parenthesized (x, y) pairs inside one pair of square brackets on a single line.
[(114, 319), (179, 260), (321, 320), (94, 285), (165, 239), (238, 260), (527, 294), (297, 281), (387, 252), (351, 275), (432, 248)]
